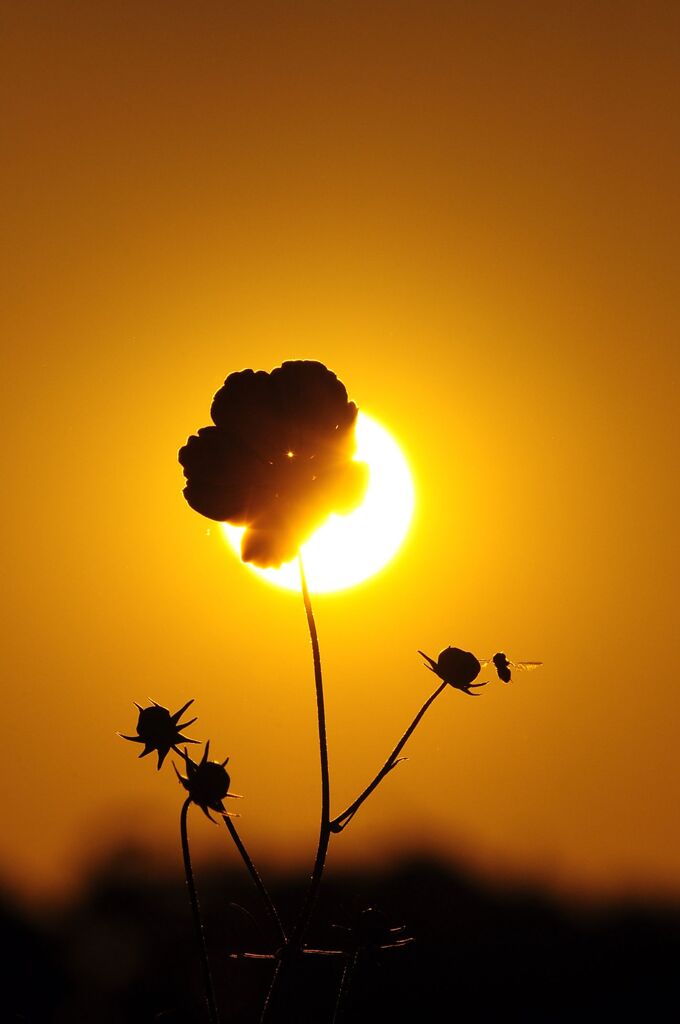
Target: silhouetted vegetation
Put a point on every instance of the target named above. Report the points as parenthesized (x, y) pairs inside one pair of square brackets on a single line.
[(277, 458), (123, 951)]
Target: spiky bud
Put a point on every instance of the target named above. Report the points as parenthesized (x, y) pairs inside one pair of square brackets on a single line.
[(158, 730), (207, 782)]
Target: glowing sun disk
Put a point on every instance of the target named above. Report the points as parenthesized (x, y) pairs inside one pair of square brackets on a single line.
[(349, 549)]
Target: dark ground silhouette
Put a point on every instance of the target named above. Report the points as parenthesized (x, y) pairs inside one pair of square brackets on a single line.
[(124, 952)]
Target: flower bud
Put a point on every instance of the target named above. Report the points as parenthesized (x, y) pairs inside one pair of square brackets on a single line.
[(158, 730), (207, 782), (457, 668)]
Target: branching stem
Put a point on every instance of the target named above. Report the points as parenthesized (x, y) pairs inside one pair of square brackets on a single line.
[(328, 826), (342, 820)]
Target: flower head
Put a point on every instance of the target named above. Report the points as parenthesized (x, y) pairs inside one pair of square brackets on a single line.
[(457, 668), (158, 730), (207, 782), (278, 459)]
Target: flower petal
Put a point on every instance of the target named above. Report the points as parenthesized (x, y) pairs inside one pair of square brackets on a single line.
[(278, 459)]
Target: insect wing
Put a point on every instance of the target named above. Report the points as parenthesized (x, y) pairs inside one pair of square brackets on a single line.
[(525, 666)]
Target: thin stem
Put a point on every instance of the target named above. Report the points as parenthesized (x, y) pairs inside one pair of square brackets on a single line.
[(342, 820), (255, 875), (196, 913), (347, 972), (295, 943), (269, 999), (297, 938)]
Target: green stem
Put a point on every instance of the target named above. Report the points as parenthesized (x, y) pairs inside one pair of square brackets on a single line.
[(255, 875), (342, 820), (196, 913)]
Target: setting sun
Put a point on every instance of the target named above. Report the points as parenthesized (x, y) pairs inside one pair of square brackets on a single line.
[(349, 549), (393, 287)]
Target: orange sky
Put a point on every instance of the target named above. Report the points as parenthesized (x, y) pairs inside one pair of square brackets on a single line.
[(469, 212)]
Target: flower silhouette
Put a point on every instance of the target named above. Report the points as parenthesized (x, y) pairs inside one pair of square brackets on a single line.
[(207, 783), (457, 668), (158, 730), (278, 459)]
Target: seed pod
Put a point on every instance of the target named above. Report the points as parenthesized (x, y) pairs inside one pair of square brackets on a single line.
[(158, 730)]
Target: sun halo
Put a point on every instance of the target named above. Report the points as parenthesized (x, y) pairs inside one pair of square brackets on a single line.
[(346, 550)]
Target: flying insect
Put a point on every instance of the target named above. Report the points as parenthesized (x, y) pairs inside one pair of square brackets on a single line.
[(505, 668)]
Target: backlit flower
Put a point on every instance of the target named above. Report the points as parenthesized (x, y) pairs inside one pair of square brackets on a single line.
[(457, 668), (278, 459), (158, 730)]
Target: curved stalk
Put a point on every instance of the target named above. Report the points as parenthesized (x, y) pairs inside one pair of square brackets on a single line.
[(295, 943), (255, 875), (297, 937), (196, 913), (342, 820)]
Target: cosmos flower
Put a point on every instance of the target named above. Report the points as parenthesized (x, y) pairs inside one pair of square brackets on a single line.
[(158, 730), (457, 668), (207, 783), (278, 459)]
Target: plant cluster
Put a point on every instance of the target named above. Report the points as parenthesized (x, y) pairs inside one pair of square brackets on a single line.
[(277, 460)]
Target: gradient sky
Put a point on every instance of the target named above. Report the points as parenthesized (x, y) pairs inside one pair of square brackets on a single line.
[(469, 212)]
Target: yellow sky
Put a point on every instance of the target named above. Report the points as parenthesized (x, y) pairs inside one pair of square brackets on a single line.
[(467, 211)]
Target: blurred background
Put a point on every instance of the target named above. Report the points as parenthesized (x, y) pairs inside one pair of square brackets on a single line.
[(469, 212)]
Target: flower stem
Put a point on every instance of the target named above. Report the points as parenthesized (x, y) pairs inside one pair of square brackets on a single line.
[(297, 937), (295, 943), (198, 923), (342, 820), (255, 875), (347, 973)]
